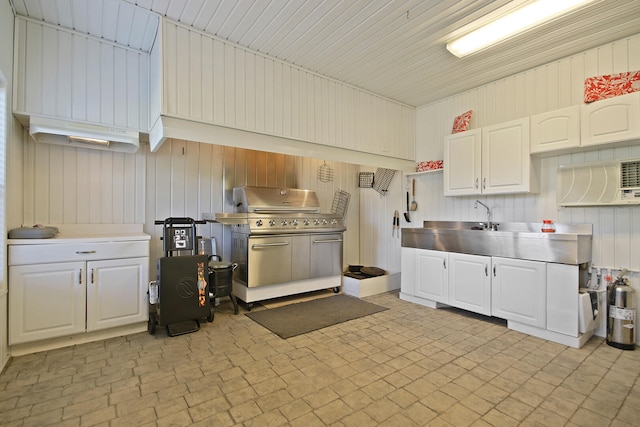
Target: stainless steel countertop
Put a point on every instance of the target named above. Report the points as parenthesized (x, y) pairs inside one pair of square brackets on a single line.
[(570, 244)]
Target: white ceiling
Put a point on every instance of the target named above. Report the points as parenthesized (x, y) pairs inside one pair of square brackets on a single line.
[(395, 48)]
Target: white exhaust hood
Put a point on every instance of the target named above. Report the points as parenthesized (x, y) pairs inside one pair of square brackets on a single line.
[(83, 135)]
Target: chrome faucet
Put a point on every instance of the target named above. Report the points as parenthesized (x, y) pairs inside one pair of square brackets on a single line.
[(490, 225)]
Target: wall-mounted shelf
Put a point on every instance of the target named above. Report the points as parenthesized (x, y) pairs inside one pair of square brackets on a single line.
[(423, 172)]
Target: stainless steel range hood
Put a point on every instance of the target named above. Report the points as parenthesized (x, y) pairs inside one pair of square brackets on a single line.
[(83, 135)]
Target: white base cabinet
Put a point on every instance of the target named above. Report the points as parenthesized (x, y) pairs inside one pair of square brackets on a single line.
[(458, 280), (519, 291), (470, 282), (74, 288), (536, 298)]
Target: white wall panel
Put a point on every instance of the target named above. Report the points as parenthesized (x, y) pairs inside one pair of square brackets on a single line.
[(251, 91), (73, 76)]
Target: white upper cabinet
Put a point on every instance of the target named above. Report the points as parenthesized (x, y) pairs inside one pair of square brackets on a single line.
[(493, 160), (462, 163), (611, 120), (555, 130), (506, 163), (69, 75)]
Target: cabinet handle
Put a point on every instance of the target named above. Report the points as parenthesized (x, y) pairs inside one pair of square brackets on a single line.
[(268, 245), (85, 252), (486, 272), (484, 183), (328, 241), (476, 184), (80, 277), (92, 276), (444, 264), (494, 271)]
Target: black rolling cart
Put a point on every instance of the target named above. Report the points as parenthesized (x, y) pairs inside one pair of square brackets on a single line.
[(179, 297)]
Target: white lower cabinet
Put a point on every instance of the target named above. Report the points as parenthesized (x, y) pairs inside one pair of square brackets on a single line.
[(536, 298), (432, 278), (459, 280), (519, 291), (79, 293), (470, 282)]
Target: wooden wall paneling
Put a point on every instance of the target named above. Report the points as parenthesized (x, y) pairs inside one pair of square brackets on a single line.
[(309, 118), (162, 182), (294, 84), (49, 86), (120, 88), (303, 121), (94, 78), (64, 67), (83, 186), (269, 96), (195, 80), (240, 89), (55, 186), (185, 61), (260, 94), (219, 89), (318, 98), (106, 103), (119, 188), (206, 53), (241, 167), (250, 90), (38, 196), (192, 180), (70, 196), (279, 103), (178, 178), (95, 179), (106, 188), (230, 77)]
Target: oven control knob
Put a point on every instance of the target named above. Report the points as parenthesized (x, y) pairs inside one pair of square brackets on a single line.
[(305, 222), (294, 222), (316, 221), (334, 221), (259, 223), (283, 222), (272, 222), (324, 222)]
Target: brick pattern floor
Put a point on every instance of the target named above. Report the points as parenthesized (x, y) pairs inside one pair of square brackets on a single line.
[(409, 365)]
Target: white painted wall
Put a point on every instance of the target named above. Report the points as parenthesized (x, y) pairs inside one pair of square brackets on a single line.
[(6, 145), (616, 239)]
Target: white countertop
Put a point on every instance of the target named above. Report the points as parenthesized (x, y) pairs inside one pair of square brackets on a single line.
[(89, 233)]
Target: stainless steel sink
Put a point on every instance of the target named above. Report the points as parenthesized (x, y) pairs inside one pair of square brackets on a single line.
[(570, 244)]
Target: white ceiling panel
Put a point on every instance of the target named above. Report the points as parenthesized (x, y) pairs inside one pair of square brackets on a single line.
[(395, 48)]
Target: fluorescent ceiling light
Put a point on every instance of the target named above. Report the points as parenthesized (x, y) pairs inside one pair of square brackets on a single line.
[(517, 21)]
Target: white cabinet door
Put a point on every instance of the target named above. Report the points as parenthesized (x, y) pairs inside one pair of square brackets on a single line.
[(519, 291), (462, 163), (506, 162), (470, 282), (432, 275), (408, 271), (46, 301), (611, 120), (555, 130), (563, 282), (116, 292)]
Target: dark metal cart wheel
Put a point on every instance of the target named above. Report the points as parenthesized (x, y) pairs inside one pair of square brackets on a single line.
[(151, 324), (249, 306), (336, 289), (210, 316)]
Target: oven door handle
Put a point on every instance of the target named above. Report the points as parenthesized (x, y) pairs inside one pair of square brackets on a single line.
[(268, 245), (328, 241)]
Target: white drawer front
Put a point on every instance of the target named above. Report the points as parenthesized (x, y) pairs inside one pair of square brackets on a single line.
[(38, 254)]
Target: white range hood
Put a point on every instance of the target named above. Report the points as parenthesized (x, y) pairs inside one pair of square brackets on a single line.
[(83, 135)]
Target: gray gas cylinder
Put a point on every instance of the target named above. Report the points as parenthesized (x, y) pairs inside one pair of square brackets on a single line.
[(621, 315)]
